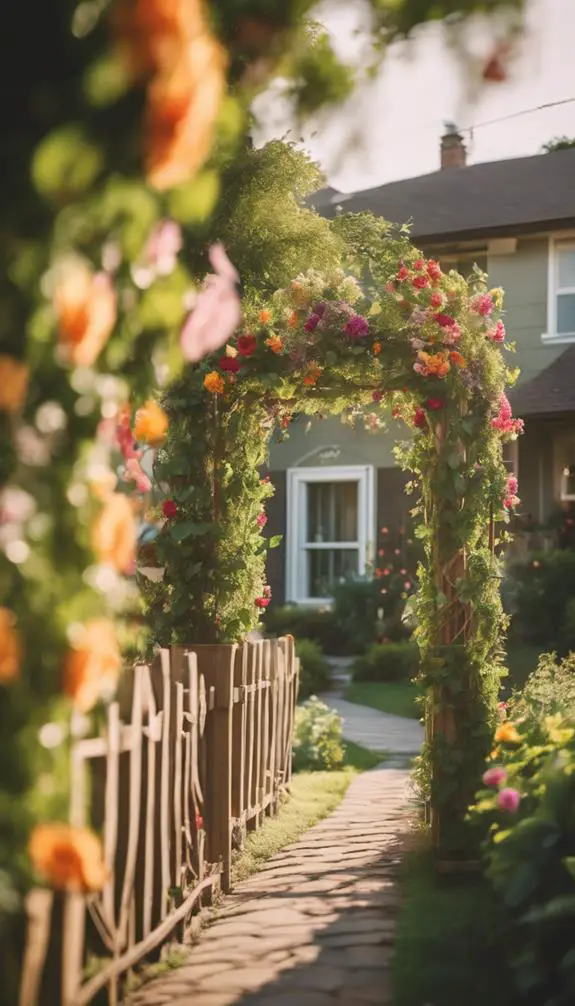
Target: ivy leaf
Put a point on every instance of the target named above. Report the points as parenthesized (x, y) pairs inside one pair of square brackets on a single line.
[(454, 460), (275, 540), (189, 529)]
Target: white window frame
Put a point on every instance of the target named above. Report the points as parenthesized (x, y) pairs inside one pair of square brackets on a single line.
[(551, 336), (297, 547)]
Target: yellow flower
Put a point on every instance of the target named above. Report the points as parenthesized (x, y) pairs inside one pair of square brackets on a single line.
[(67, 858), (93, 664), (10, 647), (13, 384), (231, 351), (214, 382), (114, 533), (275, 343), (507, 733), (86, 309), (150, 423)]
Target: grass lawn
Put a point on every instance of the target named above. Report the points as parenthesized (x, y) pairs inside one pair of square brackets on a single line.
[(448, 941), (313, 796), (358, 757), (397, 697)]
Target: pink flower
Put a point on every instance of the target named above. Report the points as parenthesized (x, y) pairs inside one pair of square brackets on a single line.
[(407, 585), (512, 485), (502, 710), (509, 800), (357, 327), (451, 335), (420, 282), (495, 776), (419, 264), (434, 270), (417, 344), (264, 600), (420, 419), (162, 247), (482, 304), (169, 509), (312, 322), (261, 520), (403, 273), (496, 334), (436, 299), (504, 421), (135, 473), (199, 822), (217, 312)]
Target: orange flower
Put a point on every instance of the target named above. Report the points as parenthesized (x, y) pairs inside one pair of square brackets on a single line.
[(275, 343), (214, 382), (183, 105), (151, 33), (150, 423), (93, 664), (265, 317), (311, 377), (10, 647), (434, 364), (293, 320), (67, 858), (376, 348), (86, 308), (507, 733), (13, 384), (114, 534), (457, 359)]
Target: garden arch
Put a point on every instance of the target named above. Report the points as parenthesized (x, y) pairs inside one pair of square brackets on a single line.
[(428, 345)]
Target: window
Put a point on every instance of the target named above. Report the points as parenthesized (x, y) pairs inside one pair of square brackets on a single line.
[(561, 292), (330, 528)]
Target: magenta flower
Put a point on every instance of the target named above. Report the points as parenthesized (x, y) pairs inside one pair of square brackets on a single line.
[(482, 304), (261, 520), (217, 312), (496, 334), (357, 327), (495, 776), (504, 421), (312, 322), (509, 800), (163, 246)]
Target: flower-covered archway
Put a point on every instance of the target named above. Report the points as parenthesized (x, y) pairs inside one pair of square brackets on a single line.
[(427, 345)]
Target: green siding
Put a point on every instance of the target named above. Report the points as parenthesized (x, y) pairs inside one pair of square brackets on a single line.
[(523, 277), (309, 436)]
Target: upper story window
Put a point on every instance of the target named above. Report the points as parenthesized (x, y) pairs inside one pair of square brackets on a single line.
[(561, 291)]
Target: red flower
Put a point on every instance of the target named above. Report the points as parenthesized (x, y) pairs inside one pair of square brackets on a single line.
[(169, 509), (377, 395), (419, 264), (262, 602), (434, 404), (230, 363), (312, 322), (403, 273), (420, 419), (434, 270), (436, 299), (265, 479), (261, 520), (199, 822), (247, 345), (444, 320), (420, 282), (395, 413)]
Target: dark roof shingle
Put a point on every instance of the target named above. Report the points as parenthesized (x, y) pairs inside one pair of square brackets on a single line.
[(550, 392), (519, 194)]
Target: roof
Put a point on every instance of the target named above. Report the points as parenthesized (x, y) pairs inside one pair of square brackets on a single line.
[(550, 392), (518, 195)]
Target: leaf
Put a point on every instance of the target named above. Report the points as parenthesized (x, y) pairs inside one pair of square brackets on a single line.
[(189, 529), (275, 540), (106, 80), (193, 203), (66, 163)]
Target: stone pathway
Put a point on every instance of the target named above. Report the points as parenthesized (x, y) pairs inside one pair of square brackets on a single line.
[(315, 927), (377, 731)]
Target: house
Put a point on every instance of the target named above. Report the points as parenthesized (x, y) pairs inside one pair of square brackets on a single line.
[(516, 219)]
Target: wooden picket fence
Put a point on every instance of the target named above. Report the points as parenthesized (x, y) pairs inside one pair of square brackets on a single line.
[(196, 750)]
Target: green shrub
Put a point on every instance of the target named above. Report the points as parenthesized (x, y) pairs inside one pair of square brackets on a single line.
[(530, 851), (387, 662), (317, 624), (317, 743), (539, 594), (549, 690), (314, 669)]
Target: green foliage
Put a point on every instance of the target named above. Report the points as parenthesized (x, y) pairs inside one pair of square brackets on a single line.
[(314, 669), (558, 143), (387, 662), (530, 854), (317, 742), (548, 691), (541, 591), (317, 624)]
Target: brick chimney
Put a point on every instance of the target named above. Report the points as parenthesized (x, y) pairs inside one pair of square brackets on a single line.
[(453, 152)]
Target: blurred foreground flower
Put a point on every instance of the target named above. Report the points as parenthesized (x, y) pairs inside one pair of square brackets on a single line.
[(217, 312), (10, 647), (86, 308), (13, 384), (67, 858), (93, 665), (150, 423), (114, 534)]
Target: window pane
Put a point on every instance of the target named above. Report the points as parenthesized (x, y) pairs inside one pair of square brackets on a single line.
[(328, 566), (332, 511), (566, 262), (566, 312)]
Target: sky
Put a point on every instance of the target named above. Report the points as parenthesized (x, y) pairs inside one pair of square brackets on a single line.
[(391, 127)]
